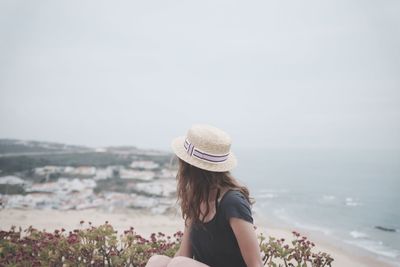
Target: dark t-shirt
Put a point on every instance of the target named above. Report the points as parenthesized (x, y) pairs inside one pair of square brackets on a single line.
[(216, 244)]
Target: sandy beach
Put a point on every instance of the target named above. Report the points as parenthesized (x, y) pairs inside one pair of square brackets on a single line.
[(145, 223)]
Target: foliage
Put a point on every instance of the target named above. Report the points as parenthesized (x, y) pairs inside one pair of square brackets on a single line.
[(298, 253), (100, 246)]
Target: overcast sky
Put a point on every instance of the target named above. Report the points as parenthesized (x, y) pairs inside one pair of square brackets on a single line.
[(270, 73)]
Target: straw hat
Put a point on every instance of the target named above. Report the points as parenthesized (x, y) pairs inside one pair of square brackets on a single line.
[(205, 147)]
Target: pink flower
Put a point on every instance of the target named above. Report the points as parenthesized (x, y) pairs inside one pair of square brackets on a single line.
[(73, 239)]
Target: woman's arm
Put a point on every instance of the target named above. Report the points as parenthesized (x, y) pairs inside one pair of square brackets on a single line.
[(247, 240), (185, 249)]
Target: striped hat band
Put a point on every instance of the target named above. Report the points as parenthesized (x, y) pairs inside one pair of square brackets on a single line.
[(195, 152)]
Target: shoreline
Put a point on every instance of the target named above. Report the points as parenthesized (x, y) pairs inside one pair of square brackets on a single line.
[(343, 253), (145, 223)]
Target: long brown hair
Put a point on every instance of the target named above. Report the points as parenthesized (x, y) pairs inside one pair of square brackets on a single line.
[(194, 186)]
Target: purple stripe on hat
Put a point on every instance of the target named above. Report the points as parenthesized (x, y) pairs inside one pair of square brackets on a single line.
[(213, 155), (208, 157), (191, 150), (186, 146)]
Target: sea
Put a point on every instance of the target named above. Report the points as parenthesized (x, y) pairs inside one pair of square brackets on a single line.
[(348, 195)]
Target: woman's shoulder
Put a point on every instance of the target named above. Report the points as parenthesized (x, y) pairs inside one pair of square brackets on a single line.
[(235, 204), (233, 196)]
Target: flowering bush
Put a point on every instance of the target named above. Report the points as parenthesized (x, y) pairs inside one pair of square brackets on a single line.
[(276, 253), (99, 246)]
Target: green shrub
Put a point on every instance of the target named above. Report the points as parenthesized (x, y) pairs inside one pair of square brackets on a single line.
[(100, 246)]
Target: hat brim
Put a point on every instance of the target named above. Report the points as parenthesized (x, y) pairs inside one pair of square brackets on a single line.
[(179, 149)]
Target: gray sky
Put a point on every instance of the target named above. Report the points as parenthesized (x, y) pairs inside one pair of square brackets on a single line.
[(270, 73)]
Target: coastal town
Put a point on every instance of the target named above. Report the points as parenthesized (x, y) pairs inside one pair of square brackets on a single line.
[(145, 180)]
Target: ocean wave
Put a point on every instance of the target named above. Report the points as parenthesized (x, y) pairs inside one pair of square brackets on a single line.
[(328, 197), (270, 193), (315, 228), (376, 247), (273, 191), (282, 215), (358, 235), (266, 195), (351, 202), (257, 209)]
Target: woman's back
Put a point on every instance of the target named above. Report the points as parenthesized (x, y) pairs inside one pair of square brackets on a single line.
[(214, 242)]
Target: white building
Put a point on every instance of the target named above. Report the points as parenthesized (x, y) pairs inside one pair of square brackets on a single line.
[(167, 174), (10, 179), (85, 171), (134, 174), (144, 164), (104, 173), (42, 171), (163, 188)]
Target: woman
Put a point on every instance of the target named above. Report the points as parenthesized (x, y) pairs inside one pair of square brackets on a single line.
[(219, 227)]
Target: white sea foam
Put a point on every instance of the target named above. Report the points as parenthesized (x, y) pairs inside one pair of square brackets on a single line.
[(274, 191), (284, 216), (362, 240), (316, 228), (328, 197), (267, 195), (270, 193), (358, 235), (351, 202), (376, 247), (281, 214)]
